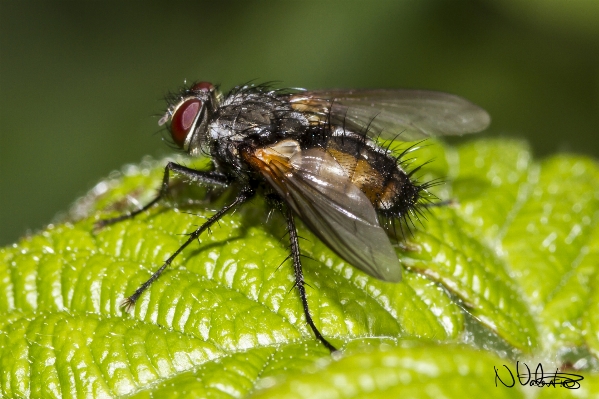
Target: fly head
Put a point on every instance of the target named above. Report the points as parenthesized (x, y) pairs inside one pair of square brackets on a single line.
[(189, 114)]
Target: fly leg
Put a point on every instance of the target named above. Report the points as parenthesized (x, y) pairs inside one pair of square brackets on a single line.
[(208, 177), (299, 278), (243, 196)]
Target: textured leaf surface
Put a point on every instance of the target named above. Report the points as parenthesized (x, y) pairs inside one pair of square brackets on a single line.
[(509, 267)]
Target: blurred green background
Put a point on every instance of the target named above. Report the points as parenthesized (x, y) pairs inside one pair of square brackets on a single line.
[(81, 82)]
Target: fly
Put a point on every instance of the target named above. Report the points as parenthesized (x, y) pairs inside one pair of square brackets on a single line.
[(314, 155)]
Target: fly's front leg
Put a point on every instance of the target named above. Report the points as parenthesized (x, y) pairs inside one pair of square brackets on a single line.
[(243, 196), (299, 278), (208, 177)]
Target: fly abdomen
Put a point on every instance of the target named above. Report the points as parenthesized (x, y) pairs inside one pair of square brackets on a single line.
[(375, 172)]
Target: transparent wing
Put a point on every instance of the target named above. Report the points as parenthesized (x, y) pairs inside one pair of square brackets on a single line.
[(317, 189), (412, 114)]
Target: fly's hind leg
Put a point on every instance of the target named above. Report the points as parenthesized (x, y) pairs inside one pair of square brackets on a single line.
[(299, 277), (243, 196), (209, 177)]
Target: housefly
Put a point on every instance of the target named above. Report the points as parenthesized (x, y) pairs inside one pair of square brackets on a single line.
[(314, 154)]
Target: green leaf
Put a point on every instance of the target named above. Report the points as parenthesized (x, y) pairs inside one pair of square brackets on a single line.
[(411, 371), (508, 267)]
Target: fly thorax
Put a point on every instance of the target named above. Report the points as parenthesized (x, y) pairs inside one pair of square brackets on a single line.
[(219, 131)]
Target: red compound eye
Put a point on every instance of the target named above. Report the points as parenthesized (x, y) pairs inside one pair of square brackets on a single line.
[(202, 86), (183, 119)]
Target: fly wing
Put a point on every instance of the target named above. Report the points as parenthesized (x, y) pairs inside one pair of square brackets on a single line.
[(318, 190), (413, 114)]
